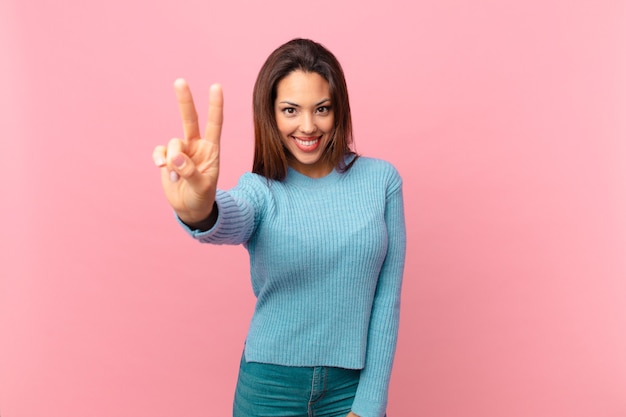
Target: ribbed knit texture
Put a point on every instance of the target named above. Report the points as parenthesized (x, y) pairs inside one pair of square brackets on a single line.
[(326, 260)]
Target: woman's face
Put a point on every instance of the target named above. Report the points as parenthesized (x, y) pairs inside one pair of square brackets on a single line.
[(305, 119)]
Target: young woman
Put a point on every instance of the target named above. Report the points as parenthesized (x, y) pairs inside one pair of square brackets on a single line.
[(325, 232)]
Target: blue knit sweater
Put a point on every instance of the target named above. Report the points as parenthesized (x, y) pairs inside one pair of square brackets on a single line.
[(326, 262)]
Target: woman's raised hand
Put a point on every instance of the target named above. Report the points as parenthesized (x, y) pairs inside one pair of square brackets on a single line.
[(190, 166)]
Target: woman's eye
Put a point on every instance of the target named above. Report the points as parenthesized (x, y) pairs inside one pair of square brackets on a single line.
[(289, 111), (323, 109)]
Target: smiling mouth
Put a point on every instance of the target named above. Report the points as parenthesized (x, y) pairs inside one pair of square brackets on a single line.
[(307, 144), (307, 141)]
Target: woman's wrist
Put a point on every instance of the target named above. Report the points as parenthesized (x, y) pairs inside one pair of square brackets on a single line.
[(203, 225)]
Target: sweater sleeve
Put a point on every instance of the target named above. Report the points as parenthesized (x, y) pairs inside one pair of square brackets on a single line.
[(372, 393), (238, 212)]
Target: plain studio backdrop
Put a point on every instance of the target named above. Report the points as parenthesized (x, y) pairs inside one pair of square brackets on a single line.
[(506, 119)]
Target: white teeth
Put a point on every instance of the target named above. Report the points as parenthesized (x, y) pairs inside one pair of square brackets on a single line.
[(306, 142)]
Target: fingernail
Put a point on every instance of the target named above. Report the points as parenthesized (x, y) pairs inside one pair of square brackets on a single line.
[(174, 176), (159, 162), (179, 160)]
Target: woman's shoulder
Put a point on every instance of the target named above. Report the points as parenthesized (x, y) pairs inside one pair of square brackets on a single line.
[(250, 179), (376, 166), (377, 171), (250, 183)]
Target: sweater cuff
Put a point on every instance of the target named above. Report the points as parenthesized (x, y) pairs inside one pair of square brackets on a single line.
[(365, 408), (206, 224), (234, 221)]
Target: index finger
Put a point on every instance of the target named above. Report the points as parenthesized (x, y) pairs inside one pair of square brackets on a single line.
[(213, 128), (187, 109)]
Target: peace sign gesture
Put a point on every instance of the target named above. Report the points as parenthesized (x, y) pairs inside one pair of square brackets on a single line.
[(190, 166)]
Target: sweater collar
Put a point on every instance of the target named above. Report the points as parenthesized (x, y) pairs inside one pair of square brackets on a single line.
[(295, 178)]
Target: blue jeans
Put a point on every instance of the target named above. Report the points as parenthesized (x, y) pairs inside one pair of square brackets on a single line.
[(265, 390)]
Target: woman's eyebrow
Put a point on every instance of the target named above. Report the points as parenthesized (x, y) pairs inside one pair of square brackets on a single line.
[(297, 105)]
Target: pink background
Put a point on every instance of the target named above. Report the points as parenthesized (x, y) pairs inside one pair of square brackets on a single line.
[(505, 118)]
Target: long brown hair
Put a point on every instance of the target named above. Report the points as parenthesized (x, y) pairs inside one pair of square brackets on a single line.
[(270, 155)]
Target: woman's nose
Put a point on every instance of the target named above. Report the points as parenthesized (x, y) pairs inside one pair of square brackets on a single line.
[(308, 124)]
